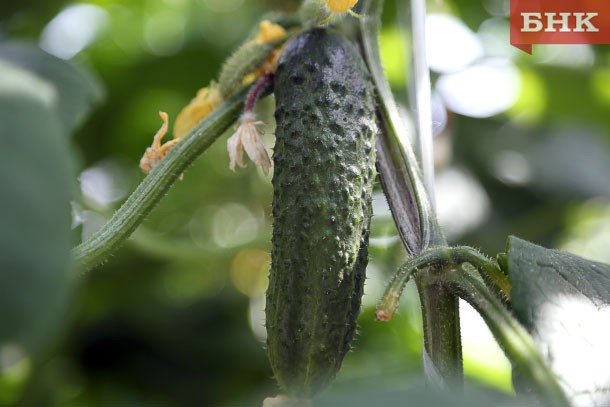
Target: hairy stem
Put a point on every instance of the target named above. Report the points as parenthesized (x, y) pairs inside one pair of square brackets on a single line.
[(413, 215), (439, 258), (444, 266), (126, 219), (512, 337)]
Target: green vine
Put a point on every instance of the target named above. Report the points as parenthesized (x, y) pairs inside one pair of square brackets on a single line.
[(511, 336), (413, 214), (484, 289), (97, 247)]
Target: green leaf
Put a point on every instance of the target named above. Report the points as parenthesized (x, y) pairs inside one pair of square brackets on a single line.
[(35, 185), (564, 302), (78, 92)]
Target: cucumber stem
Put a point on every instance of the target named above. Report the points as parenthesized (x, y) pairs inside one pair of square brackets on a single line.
[(517, 344), (442, 339), (407, 196), (97, 247), (439, 258), (257, 90)]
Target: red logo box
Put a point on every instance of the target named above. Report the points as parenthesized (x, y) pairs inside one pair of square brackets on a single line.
[(559, 22)]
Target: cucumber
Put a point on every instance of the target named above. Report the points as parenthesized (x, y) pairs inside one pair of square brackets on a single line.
[(324, 168)]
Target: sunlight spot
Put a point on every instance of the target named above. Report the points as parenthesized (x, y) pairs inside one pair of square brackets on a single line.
[(498, 8), (249, 271), (384, 233), (11, 355), (19, 81), (462, 204), (78, 214), (567, 55), (511, 168), (494, 34), (482, 90), (576, 333), (256, 317), (380, 205), (374, 285), (73, 29), (439, 114), (92, 222), (103, 184), (450, 45), (588, 232), (483, 358), (234, 225)]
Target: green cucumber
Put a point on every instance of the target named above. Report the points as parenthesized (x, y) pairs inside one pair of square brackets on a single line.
[(324, 168)]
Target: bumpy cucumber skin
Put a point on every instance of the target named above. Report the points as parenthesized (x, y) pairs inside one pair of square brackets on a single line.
[(324, 168)]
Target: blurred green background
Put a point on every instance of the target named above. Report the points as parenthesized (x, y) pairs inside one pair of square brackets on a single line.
[(175, 317)]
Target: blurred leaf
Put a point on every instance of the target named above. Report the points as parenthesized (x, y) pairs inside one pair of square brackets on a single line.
[(564, 301), (555, 168), (78, 91), (571, 160), (35, 182), (571, 96)]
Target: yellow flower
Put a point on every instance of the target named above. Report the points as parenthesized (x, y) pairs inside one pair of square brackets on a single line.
[(267, 32), (340, 6), (202, 105), (156, 151), (208, 99), (199, 108)]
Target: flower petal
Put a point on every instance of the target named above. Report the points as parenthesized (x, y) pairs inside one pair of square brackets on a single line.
[(235, 149), (256, 149), (247, 137)]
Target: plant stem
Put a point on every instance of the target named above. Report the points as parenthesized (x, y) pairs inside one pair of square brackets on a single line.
[(445, 266), (407, 196), (397, 164), (126, 219), (442, 339), (512, 337), (439, 258)]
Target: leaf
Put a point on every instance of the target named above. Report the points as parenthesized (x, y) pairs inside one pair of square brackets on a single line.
[(564, 302), (554, 169), (78, 92), (35, 186)]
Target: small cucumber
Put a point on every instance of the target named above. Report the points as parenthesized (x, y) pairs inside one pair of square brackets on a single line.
[(324, 167)]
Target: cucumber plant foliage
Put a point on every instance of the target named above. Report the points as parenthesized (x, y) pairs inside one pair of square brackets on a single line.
[(326, 119), (42, 100)]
